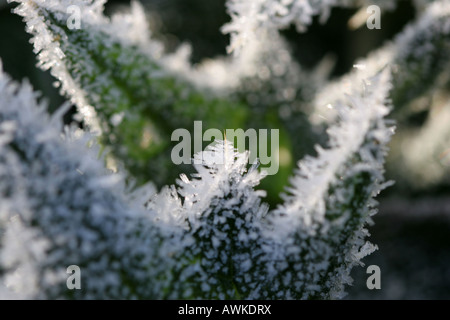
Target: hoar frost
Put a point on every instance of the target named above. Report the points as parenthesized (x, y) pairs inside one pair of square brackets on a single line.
[(210, 235)]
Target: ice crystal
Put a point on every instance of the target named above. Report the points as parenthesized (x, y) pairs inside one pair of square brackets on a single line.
[(210, 235), (59, 207)]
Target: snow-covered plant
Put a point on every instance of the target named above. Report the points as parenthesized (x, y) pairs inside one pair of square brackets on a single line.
[(419, 58), (59, 209), (211, 235)]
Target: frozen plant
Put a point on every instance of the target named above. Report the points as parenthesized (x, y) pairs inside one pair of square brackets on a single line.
[(211, 235), (58, 209)]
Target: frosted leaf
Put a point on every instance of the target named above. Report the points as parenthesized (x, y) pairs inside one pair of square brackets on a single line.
[(224, 215), (331, 195), (357, 117), (417, 52), (60, 207), (114, 66), (211, 236)]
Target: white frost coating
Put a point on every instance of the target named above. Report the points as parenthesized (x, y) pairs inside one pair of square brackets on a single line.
[(223, 73), (169, 207), (430, 23), (334, 91), (132, 28), (219, 164), (134, 20), (22, 247), (128, 28), (306, 199), (223, 214), (320, 205), (59, 207), (49, 52), (217, 224), (250, 19), (265, 58)]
